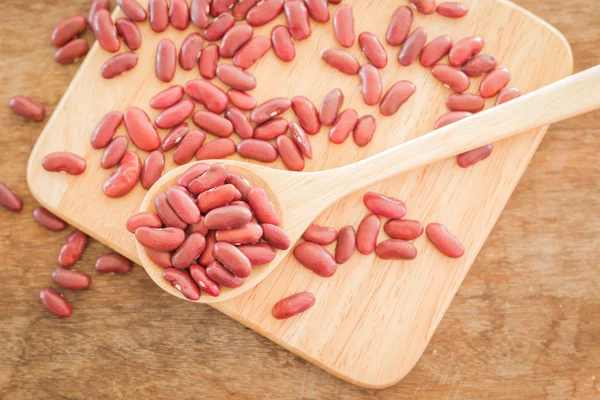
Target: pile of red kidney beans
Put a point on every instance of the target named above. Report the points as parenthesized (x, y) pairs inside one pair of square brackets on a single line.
[(229, 25)]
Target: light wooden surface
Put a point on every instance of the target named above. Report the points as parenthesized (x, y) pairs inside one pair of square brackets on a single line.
[(524, 323), (366, 341)]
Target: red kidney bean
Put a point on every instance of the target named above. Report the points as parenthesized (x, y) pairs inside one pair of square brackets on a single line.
[(55, 303), (167, 97), (413, 46), (9, 199), (183, 205), (293, 305), (316, 258), (346, 243), (140, 129), (271, 129), (213, 123), (465, 102), (263, 207), (452, 77), (384, 206), (160, 258), (114, 152), (240, 183), (175, 115), (232, 259), (264, 12), (404, 229), (234, 39), (129, 32), (64, 161), (219, 27), (71, 279), (207, 257), (149, 219), (319, 234), (506, 95), (330, 107), (450, 118), (341, 60), (241, 100), (27, 108), (198, 227), (213, 177), (179, 14), (395, 97), (48, 220), (161, 239), (366, 235), (153, 168), (227, 217), (399, 26), (218, 7), (174, 137), (307, 114), (423, 6), (301, 140), (222, 276), (235, 77), (219, 148), (296, 15), (166, 60), (343, 126), (192, 173), (364, 130), (494, 82), (105, 31), (68, 29), (259, 253), (216, 197), (371, 85), (212, 97), (106, 129), (470, 158), (189, 251), (251, 52), (396, 249), (373, 49), (343, 25), (452, 10), (269, 109), (241, 8), (201, 278), (71, 51), (290, 154), (240, 122), (95, 6), (133, 10), (207, 63), (249, 233), (124, 178), (465, 49), (282, 43), (318, 10), (435, 50), (480, 64), (113, 263), (72, 250), (258, 150), (199, 13), (119, 64), (158, 11), (190, 51), (444, 241), (183, 282)]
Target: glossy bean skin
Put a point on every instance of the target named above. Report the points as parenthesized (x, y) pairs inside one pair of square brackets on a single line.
[(64, 161), (423, 6), (72, 250), (106, 129), (192, 173), (149, 219), (207, 257), (343, 126), (129, 32), (199, 13), (318, 10), (240, 122), (249, 233), (118, 64), (152, 169), (160, 258), (235, 77), (346, 243), (71, 51), (167, 97), (183, 205), (251, 52), (506, 95), (55, 303), (444, 241), (465, 49), (161, 239), (190, 51), (371, 85), (27, 108), (216, 197), (271, 129), (227, 217), (264, 12), (259, 253), (189, 251), (241, 100), (395, 97), (366, 234), (412, 46), (494, 82), (373, 49), (275, 236), (452, 77), (298, 23), (270, 109), (213, 123), (179, 14), (293, 305), (71, 279), (212, 97), (48, 220), (364, 130), (219, 274), (114, 152), (450, 118), (231, 258), (384, 206), (113, 263), (158, 12), (166, 60), (343, 25), (316, 258), (435, 50), (465, 102), (105, 31), (341, 60), (214, 176), (95, 6), (207, 63), (201, 278), (470, 158), (396, 249), (282, 43), (68, 29), (479, 65), (183, 282), (175, 115), (301, 140), (219, 27), (198, 227), (330, 107), (241, 8), (140, 129), (452, 9), (124, 178), (258, 150), (133, 10), (9, 199), (263, 207), (399, 28), (404, 229), (322, 235), (307, 114), (234, 39), (219, 148), (174, 137)]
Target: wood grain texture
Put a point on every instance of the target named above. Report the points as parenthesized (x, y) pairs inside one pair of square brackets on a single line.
[(524, 323)]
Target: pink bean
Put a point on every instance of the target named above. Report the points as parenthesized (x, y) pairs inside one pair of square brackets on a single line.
[(207, 257), (258, 150), (105, 31), (68, 29), (124, 178), (241, 100), (55, 303), (72, 250), (452, 9), (364, 130), (240, 183), (444, 241), (119, 64), (9, 199), (271, 129), (234, 39), (71, 279), (175, 115), (227, 217), (307, 114), (275, 236), (158, 11), (371, 85), (217, 149), (319, 234), (259, 253), (133, 10), (366, 235), (465, 102), (413, 46), (384, 206), (506, 95), (318, 10), (293, 305), (106, 129), (183, 282), (343, 126), (465, 49), (399, 26), (343, 25), (213, 123), (189, 251), (71, 51), (213, 177), (235, 77), (395, 97), (301, 140), (263, 207), (166, 213), (494, 82), (249, 233), (209, 58), (161, 239), (330, 107), (270, 109), (240, 122), (222, 276), (241, 8), (450, 118), (149, 219), (251, 52), (435, 50), (64, 161), (232, 259), (167, 97), (114, 152), (199, 13), (179, 14), (264, 12), (297, 19), (316, 258), (183, 205), (423, 6), (27, 108), (201, 278), (404, 229), (190, 51), (140, 129), (283, 44), (174, 137), (160, 258), (470, 158), (346, 243), (48, 220), (129, 32), (219, 27), (480, 64), (192, 173), (113, 263), (452, 77), (373, 49), (341, 60), (166, 60), (212, 97), (95, 6), (153, 168), (216, 197), (218, 7), (396, 249)]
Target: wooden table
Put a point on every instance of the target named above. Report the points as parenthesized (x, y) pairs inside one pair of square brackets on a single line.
[(525, 323)]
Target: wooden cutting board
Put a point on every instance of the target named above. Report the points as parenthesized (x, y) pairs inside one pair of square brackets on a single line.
[(374, 318)]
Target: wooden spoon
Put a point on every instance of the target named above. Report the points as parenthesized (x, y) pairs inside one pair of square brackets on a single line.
[(300, 197)]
